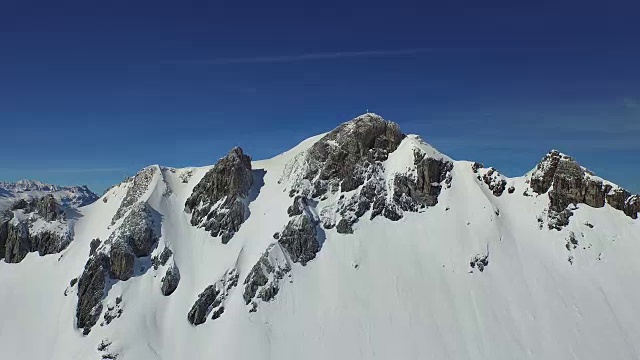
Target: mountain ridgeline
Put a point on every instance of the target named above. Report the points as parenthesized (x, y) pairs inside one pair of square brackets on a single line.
[(330, 236)]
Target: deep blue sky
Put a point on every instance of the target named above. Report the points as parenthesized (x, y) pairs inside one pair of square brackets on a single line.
[(92, 91)]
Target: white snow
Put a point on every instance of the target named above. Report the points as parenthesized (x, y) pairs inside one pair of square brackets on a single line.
[(392, 290)]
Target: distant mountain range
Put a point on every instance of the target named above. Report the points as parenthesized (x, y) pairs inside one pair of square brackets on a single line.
[(72, 196)]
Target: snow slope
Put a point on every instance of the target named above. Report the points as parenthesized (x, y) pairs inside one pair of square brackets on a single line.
[(392, 290)]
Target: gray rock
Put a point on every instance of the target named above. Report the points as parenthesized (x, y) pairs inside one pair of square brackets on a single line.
[(47, 242), (341, 157), (136, 237), (493, 180), (298, 206), (93, 246), (344, 227), (559, 219), (216, 314), (256, 279), (228, 182), (201, 308), (17, 245), (545, 170), (170, 280), (5, 217), (298, 238), (49, 209), (623, 200), (263, 280), (22, 204), (139, 185), (479, 261), (91, 291), (16, 240), (568, 183), (411, 194), (122, 261), (137, 230), (162, 258)]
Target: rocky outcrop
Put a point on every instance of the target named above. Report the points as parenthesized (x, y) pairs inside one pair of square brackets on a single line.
[(213, 299), (48, 208), (5, 217), (91, 291), (623, 200), (201, 308), (17, 245), (348, 164), (162, 258), (170, 280), (114, 259), (137, 186), (122, 261), (298, 238), (494, 181), (567, 183), (298, 206), (93, 246), (479, 261), (48, 242), (39, 227), (263, 281), (216, 203), (415, 192), (340, 158), (136, 237)]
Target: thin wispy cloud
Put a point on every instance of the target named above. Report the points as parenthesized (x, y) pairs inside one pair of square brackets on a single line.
[(289, 58), (313, 56)]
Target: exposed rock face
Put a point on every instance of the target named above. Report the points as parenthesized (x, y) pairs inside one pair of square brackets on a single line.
[(298, 206), (496, 183), (623, 200), (93, 246), (20, 236), (263, 280), (568, 183), (5, 217), (122, 261), (413, 193), (341, 157), (47, 242), (213, 299), (298, 238), (139, 185), (114, 259), (162, 258), (48, 208), (136, 237), (480, 261), (216, 203), (199, 311), (170, 280), (91, 287), (348, 164), (17, 245)]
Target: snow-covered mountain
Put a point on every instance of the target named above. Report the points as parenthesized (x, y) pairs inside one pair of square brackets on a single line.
[(361, 243), (70, 196)]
